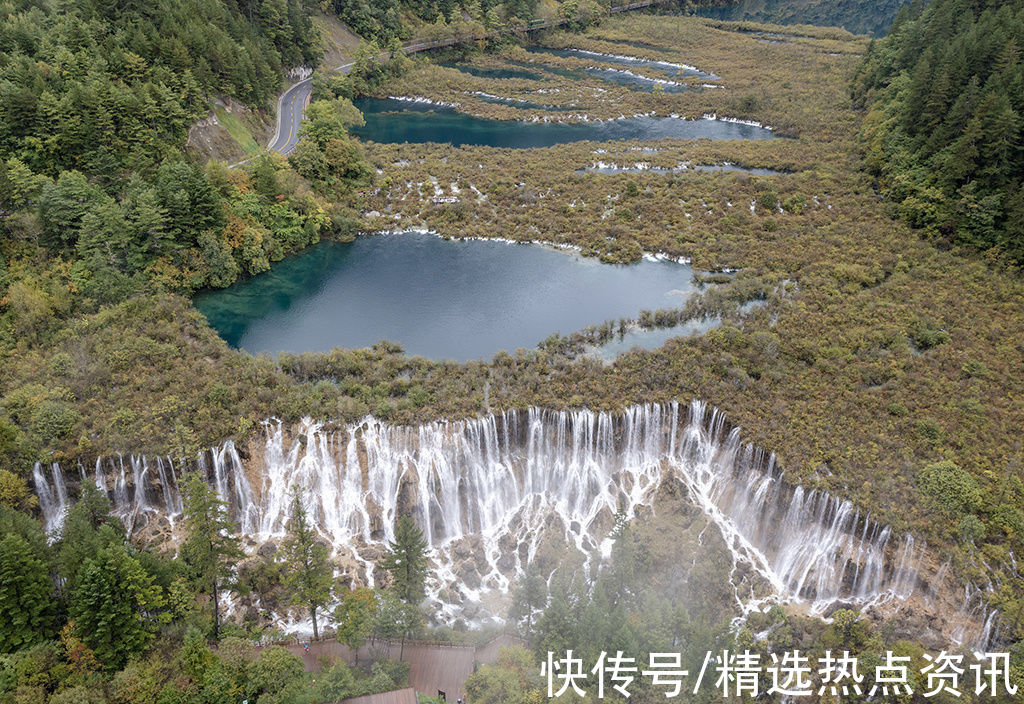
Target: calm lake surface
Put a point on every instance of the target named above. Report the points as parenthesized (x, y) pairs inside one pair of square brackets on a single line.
[(499, 73), (440, 299), (398, 121), (672, 69)]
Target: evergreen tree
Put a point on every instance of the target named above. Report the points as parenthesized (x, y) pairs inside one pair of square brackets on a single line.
[(308, 571), (117, 606), (88, 529), (558, 625), (26, 595), (944, 131), (530, 595), (210, 549), (406, 560), (62, 205)]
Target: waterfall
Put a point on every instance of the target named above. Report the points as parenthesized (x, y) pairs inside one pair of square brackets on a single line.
[(53, 497), (172, 502), (489, 490)]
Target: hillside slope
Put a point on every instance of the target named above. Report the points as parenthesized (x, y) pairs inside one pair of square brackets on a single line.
[(945, 95)]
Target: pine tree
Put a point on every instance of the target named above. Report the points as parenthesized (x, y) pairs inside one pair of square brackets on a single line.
[(558, 626), (406, 560), (62, 205), (530, 595), (26, 595), (88, 529), (117, 606), (210, 549), (308, 573)]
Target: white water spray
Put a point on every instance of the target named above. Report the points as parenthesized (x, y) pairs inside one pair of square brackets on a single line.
[(487, 491)]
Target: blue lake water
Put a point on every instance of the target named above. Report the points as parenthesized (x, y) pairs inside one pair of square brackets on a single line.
[(650, 338), (499, 73), (394, 121), (633, 81), (440, 299), (523, 104), (671, 68)]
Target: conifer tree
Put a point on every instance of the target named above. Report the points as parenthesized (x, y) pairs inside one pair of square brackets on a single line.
[(530, 595), (406, 560), (26, 595), (117, 606), (308, 574), (210, 549), (88, 529)]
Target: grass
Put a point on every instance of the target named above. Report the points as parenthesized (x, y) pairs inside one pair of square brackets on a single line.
[(237, 130)]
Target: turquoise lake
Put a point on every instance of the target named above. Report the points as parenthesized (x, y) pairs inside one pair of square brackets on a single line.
[(397, 121), (441, 299)]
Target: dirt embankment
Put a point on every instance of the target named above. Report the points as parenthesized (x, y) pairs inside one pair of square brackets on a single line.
[(231, 132)]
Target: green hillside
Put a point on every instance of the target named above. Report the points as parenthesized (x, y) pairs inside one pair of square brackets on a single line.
[(945, 94)]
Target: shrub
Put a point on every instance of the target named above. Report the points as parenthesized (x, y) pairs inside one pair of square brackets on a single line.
[(335, 683), (394, 670), (275, 670), (951, 488), (848, 630), (52, 420), (898, 409), (768, 200), (970, 529), (974, 368), (929, 429), (926, 334), (78, 695), (795, 204)]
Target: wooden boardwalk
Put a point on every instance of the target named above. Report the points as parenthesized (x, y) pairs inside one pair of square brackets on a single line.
[(398, 696)]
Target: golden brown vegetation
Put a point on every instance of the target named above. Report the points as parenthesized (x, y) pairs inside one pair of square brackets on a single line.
[(885, 356)]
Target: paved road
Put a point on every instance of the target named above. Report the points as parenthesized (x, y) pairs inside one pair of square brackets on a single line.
[(290, 107), (292, 103)]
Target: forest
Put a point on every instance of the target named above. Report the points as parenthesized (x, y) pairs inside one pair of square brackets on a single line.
[(95, 108), (402, 19), (91, 618), (944, 95)]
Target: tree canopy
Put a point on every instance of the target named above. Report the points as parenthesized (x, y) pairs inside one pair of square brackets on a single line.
[(406, 560), (945, 94), (309, 574)]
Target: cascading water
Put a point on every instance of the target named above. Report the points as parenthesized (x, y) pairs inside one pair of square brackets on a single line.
[(494, 488), (53, 497)]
